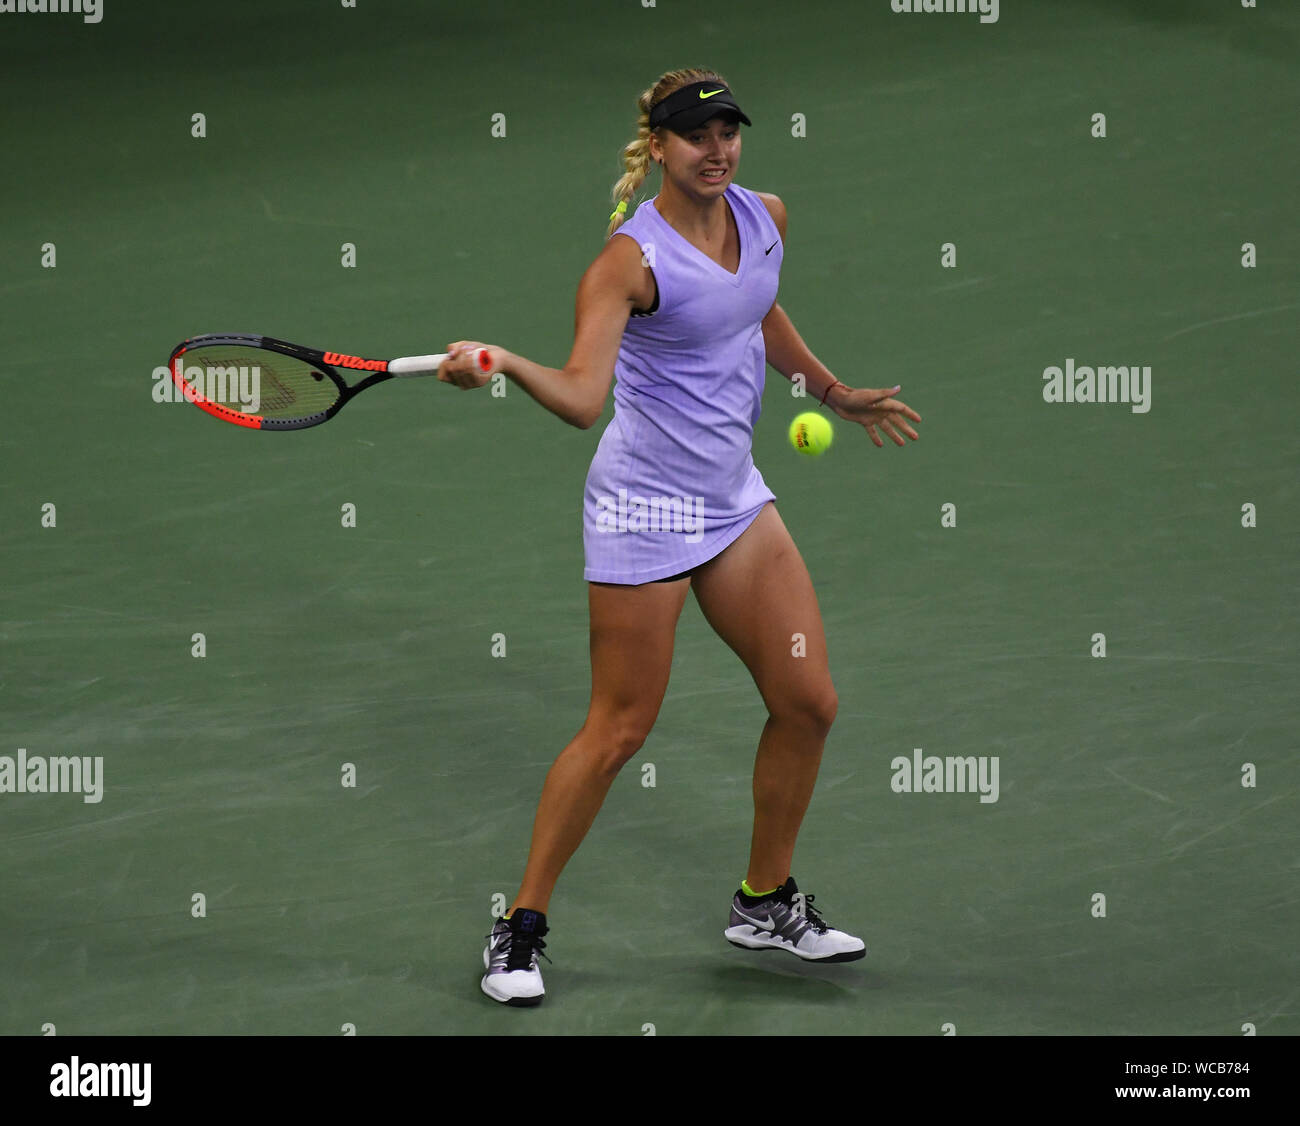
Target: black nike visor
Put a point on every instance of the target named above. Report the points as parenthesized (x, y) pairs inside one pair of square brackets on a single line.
[(693, 105)]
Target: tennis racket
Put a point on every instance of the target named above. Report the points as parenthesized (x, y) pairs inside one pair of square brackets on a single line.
[(269, 384)]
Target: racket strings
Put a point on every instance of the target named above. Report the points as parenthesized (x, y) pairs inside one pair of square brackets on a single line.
[(253, 381), (279, 395)]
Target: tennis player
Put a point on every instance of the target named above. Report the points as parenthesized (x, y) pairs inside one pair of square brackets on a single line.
[(682, 310)]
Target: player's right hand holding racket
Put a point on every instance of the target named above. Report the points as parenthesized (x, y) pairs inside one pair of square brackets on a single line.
[(462, 367)]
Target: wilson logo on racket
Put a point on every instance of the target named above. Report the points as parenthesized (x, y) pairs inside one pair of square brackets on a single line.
[(337, 359)]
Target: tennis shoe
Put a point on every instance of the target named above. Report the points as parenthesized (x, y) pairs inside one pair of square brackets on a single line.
[(513, 976), (787, 920)]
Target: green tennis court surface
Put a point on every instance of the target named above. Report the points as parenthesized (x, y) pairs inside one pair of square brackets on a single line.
[(324, 645)]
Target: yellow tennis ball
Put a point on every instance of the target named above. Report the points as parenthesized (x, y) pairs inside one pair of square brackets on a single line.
[(811, 434)]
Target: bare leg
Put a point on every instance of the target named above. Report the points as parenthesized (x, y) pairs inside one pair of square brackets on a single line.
[(759, 598), (632, 631)]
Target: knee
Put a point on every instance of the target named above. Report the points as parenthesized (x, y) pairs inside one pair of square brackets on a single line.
[(814, 709), (616, 739)]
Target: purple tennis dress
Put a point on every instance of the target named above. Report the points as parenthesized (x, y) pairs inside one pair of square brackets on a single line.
[(673, 481)]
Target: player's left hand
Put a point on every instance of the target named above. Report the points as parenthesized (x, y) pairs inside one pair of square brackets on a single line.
[(873, 409)]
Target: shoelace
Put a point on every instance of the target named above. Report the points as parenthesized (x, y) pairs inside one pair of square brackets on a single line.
[(813, 916), (519, 955)]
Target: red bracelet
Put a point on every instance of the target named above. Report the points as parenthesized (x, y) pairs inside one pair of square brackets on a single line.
[(831, 388)]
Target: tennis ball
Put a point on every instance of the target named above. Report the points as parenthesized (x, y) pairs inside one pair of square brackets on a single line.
[(811, 434)]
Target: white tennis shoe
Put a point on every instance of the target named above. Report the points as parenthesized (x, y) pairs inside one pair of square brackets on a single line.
[(787, 920)]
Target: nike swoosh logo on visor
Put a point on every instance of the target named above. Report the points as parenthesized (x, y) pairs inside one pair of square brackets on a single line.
[(710, 94), (763, 925)]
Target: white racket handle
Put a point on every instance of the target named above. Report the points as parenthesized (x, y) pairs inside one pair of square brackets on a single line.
[(428, 365)]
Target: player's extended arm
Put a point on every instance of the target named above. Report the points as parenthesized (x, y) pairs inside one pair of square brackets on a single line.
[(787, 352), (606, 296)]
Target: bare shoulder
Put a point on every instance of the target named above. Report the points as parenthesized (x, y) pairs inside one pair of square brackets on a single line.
[(619, 271), (776, 208), (618, 256)]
